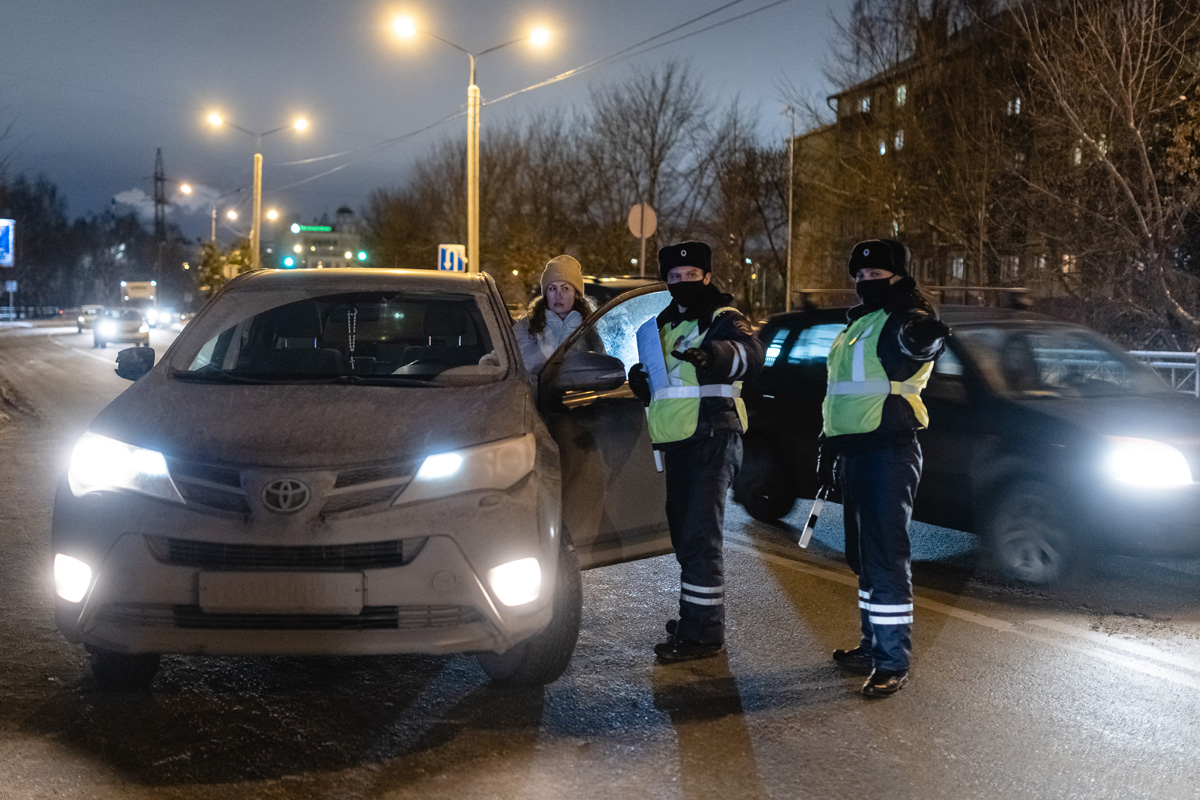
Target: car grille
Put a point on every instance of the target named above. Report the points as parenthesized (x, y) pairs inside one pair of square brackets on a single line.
[(330, 557), (371, 618), (355, 488)]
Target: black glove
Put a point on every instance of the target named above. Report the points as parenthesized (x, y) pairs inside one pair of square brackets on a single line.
[(827, 468), (700, 359), (639, 383), (925, 329)]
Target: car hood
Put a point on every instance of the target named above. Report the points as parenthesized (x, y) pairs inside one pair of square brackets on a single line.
[(309, 426), (1167, 417)]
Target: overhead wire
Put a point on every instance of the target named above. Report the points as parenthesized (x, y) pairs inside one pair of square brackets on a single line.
[(644, 46)]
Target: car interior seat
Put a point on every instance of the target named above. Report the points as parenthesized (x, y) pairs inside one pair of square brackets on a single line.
[(291, 343)]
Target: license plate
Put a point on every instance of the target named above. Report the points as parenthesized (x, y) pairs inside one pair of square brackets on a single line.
[(281, 592)]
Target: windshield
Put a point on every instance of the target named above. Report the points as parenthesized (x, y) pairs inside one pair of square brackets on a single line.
[(385, 337), (1056, 360)]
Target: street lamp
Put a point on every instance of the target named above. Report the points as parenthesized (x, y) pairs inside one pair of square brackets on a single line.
[(299, 124), (214, 199), (406, 29)]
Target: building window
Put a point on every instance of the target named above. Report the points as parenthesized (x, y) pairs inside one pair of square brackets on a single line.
[(958, 268), (864, 104), (1069, 264), (883, 147), (1041, 261), (1102, 144), (895, 228), (1077, 155), (1014, 106), (1019, 160), (898, 140), (901, 95), (1010, 268)]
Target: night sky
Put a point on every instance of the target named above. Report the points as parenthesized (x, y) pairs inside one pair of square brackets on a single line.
[(92, 88)]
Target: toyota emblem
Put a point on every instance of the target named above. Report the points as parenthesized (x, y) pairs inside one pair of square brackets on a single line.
[(285, 496)]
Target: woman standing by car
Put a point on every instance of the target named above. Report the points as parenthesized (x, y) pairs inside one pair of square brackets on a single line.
[(877, 367), (555, 315)]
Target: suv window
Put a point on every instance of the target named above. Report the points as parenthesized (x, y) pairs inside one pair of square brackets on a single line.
[(775, 346)]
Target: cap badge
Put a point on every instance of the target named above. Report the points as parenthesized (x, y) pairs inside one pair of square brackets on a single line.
[(866, 251), (683, 252)]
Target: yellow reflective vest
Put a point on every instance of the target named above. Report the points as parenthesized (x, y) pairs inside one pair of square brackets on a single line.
[(675, 409), (858, 383)]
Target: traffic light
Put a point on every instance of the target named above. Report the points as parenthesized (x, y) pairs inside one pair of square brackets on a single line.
[(289, 262), (362, 255)]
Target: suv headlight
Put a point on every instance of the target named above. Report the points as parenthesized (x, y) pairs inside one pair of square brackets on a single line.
[(99, 463), (497, 465), (1145, 462)]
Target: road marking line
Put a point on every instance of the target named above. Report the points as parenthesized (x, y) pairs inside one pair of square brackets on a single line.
[(1128, 662), (1110, 640), (110, 361)]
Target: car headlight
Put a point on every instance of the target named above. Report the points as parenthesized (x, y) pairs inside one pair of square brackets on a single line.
[(1145, 462), (497, 465), (72, 578), (143, 328), (517, 582), (99, 463), (108, 328), (80, 320), (152, 316)]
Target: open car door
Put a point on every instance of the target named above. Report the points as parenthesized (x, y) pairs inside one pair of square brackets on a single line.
[(613, 497)]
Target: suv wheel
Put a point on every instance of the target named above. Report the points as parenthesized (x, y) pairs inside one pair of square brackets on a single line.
[(1025, 535), (118, 672), (763, 489), (542, 659)]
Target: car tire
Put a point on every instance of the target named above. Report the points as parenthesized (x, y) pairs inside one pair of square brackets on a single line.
[(1026, 537), (543, 658), (763, 489), (119, 672)]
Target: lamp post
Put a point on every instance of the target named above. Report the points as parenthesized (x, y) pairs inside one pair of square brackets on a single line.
[(215, 199), (216, 120), (406, 28)]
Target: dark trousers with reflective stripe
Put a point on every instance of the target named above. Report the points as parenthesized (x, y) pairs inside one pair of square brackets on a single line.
[(878, 488), (698, 475)]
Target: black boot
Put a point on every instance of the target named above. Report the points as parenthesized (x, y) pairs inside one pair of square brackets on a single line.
[(676, 648), (884, 684), (857, 660)]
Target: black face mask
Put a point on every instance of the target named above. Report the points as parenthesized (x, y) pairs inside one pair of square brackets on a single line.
[(688, 293), (873, 292)]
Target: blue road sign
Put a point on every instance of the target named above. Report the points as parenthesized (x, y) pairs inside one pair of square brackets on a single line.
[(452, 257), (7, 241)]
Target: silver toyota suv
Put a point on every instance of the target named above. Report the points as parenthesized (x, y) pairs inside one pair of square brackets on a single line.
[(352, 462)]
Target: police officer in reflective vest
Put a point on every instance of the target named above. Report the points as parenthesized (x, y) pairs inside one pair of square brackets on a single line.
[(877, 367), (697, 419)]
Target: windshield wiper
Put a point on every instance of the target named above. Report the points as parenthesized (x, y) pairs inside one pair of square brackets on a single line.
[(379, 380), (212, 376)]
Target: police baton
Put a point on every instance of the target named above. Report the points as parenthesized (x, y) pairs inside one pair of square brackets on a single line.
[(813, 516)]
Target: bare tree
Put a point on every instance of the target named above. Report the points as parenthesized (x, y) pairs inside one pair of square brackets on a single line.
[(1113, 88)]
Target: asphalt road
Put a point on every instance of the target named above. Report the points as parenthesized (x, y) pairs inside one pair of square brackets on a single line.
[(1088, 690)]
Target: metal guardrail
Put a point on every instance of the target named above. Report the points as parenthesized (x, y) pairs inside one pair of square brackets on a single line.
[(1181, 369)]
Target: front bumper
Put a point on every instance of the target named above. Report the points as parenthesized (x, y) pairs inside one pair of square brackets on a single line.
[(421, 567), (1142, 521)]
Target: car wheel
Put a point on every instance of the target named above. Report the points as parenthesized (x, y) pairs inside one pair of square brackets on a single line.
[(543, 658), (118, 672), (763, 488), (1026, 537)]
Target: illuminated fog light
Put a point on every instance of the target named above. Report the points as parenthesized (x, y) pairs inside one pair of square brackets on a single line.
[(442, 465), (517, 582), (1144, 462), (72, 578)]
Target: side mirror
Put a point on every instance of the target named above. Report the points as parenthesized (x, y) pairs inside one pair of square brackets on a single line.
[(589, 372), (134, 362)]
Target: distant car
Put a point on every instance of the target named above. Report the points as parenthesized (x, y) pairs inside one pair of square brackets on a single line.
[(1045, 438), (603, 289), (86, 318), (355, 462), (120, 325)]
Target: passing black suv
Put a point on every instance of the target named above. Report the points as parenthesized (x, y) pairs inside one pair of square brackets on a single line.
[(1045, 438)]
